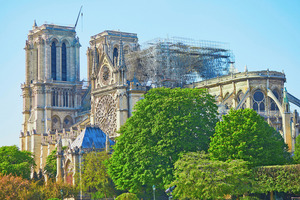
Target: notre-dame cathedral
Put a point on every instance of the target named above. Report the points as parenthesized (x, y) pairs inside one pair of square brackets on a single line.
[(60, 110)]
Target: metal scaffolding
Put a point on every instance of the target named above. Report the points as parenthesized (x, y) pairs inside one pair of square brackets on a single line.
[(175, 61)]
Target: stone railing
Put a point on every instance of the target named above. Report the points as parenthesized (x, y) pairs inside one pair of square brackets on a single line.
[(239, 76)]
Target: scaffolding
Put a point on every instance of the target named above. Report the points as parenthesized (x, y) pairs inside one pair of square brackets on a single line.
[(176, 61)]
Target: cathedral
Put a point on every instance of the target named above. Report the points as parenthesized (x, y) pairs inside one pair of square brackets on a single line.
[(61, 110)]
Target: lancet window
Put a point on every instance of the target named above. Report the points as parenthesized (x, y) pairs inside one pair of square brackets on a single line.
[(64, 62), (53, 61)]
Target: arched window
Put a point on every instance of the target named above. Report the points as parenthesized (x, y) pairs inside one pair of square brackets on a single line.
[(115, 56), (53, 61), (64, 62), (67, 122), (259, 101), (56, 123)]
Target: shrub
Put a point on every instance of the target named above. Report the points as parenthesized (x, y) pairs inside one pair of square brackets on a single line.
[(127, 196)]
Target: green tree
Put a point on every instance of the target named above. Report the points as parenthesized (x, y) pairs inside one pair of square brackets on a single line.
[(278, 178), (127, 196), (296, 157), (15, 162), (243, 134), (197, 177), (94, 177), (51, 165), (166, 122)]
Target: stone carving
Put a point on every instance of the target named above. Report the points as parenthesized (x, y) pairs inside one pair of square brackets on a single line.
[(106, 115)]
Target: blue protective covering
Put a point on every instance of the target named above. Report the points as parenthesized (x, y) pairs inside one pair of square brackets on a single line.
[(91, 137)]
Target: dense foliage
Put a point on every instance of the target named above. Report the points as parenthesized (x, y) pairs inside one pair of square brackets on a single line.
[(127, 196), (12, 187), (15, 162), (17, 188), (243, 134), (166, 122), (283, 178), (51, 164), (94, 177), (197, 177), (296, 157)]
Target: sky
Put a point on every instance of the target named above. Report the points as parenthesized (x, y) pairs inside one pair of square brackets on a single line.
[(262, 34)]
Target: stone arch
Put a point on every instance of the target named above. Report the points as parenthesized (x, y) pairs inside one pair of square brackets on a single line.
[(56, 123), (55, 40), (69, 171), (66, 41), (272, 96), (127, 49), (273, 106), (115, 54), (68, 121), (239, 97), (226, 95)]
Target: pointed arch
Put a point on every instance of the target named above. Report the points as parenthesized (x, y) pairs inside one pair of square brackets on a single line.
[(69, 171), (115, 55), (56, 123), (68, 121)]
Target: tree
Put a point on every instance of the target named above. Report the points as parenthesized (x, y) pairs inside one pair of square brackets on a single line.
[(197, 177), (280, 178), (127, 196), (12, 188), (166, 122), (51, 164), (15, 162), (243, 134), (296, 157), (94, 177)]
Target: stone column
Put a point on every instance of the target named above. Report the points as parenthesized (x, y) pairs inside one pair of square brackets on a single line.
[(76, 163), (287, 131), (59, 177)]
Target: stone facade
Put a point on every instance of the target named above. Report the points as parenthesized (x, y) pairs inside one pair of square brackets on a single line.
[(57, 109), (112, 95), (262, 91), (52, 88)]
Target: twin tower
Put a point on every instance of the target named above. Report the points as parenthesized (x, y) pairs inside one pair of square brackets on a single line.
[(54, 99)]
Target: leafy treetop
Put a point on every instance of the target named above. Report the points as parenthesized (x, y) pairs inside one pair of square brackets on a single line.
[(15, 162), (198, 177), (166, 122), (243, 134)]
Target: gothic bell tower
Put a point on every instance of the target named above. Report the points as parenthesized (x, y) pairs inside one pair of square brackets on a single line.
[(52, 88)]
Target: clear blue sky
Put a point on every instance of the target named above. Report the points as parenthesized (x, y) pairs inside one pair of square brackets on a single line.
[(262, 34)]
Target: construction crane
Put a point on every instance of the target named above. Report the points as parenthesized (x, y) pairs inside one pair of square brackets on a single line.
[(78, 17)]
